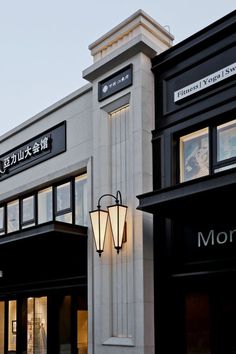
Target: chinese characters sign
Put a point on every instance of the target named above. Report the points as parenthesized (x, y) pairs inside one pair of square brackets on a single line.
[(23, 154), (39, 149), (115, 83)]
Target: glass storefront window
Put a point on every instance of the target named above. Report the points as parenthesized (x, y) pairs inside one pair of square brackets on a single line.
[(2, 216), (194, 155), (13, 216), (63, 197), (28, 213), (37, 325), (2, 322), (12, 326), (226, 141), (81, 208), (45, 205), (63, 317), (82, 331)]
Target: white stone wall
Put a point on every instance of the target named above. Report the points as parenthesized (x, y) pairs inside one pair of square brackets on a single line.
[(123, 284), (123, 318), (76, 110)]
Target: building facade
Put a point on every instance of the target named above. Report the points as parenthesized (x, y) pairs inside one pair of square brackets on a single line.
[(56, 294), (194, 160)]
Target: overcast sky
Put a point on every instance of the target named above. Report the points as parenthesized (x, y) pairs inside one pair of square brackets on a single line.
[(44, 44)]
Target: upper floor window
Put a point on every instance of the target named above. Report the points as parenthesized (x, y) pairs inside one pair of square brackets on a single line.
[(226, 145), (63, 197), (64, 202), (2, 220), (28, 211), (13, 219), (45, 213), (208, 150), (194, 155), (81, 207)]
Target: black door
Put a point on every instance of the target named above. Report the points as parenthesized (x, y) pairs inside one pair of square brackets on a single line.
[(210, 318)]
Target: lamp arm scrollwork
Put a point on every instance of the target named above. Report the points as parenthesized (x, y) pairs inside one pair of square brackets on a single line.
[(117, 198)]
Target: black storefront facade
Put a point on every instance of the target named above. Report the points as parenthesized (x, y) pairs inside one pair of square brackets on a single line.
[(194, 188)]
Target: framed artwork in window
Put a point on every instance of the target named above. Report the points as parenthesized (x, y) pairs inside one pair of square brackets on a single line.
[(194, 155)]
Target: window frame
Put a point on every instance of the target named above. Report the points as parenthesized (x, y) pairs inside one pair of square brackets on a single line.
[(23, 224), (222, 163), (214, 164)]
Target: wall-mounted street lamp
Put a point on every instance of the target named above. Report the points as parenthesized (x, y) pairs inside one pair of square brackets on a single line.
[(99, 218)]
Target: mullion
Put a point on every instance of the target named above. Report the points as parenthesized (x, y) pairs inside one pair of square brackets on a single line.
[(213, 144)]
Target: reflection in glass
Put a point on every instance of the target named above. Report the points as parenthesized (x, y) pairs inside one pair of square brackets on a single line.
[(226, 141), (2, 332), (2, 215), (81, 200), (63, 196), (12, 326), (37, 325), (194, 155), (13, 216), (28, 211), (82, 331), (65, 218), (197, 324), (224, 168), (45, 205)]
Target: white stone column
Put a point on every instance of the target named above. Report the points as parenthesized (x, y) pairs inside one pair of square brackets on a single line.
[(123, 317)]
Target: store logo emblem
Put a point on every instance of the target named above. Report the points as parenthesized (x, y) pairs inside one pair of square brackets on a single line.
[(115, 83), (105, 89)]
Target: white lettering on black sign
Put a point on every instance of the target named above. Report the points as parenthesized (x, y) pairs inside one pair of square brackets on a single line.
[(34, 151), (24, 154), (207, 81), (115, 83), (215, 238)]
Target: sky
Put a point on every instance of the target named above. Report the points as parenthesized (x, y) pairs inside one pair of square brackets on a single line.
[(44, 44)]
